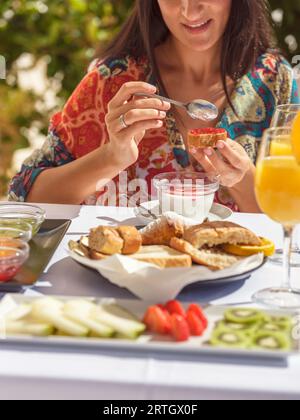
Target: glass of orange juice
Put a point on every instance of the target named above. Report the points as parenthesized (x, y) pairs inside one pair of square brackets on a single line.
[(285, 115), (277, 188)]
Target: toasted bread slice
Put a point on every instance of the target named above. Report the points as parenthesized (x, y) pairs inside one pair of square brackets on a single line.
[(132, 239), (162, 230), (105, 240), (163, 257), (213, 258), (212, 234), (206, 137)]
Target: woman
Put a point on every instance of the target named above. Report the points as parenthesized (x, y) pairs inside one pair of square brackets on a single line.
[(220, 51)]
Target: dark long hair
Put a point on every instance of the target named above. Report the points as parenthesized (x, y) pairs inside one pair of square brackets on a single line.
[(249, 34)]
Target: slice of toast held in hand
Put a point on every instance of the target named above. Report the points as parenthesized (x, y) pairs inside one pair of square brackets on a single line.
[(163, 257), (206, 137), (132, 239), (162, 230), (212, 234), (105, 240), (211, 258)]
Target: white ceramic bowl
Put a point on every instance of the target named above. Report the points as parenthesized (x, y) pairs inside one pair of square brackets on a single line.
[(189, 194)]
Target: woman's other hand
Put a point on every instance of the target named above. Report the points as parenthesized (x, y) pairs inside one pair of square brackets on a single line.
[(129, 118), (232, 163)]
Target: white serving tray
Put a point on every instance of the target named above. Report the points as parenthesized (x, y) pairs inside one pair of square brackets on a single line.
[(146, 343)]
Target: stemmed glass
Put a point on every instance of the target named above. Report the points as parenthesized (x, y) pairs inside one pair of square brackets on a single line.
[(278, 194), (284, 117)]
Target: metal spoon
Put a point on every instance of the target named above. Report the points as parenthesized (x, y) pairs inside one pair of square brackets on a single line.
[(150, 214), (199, 109)]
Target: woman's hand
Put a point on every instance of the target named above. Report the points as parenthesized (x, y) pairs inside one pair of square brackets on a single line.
[(232, 166), (129, 118)]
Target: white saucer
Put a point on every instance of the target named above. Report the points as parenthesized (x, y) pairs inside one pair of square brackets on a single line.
[(218, 212)]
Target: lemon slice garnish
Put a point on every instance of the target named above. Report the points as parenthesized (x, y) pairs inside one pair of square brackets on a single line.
[(267, 247), (296, 138)]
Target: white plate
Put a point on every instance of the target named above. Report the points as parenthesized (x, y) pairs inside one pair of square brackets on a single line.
[(151, 283), (218, 212), (145, 343)]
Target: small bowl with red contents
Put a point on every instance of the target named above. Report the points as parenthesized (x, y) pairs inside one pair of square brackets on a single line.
[(13, 254)]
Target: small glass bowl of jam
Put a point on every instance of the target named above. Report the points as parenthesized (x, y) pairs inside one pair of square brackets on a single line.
[(13, 254)]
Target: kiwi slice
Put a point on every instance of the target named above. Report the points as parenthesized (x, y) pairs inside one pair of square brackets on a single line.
[(271, 341), (233, 326), (283, 321), (243, 315), (230, 339), (272, 326)]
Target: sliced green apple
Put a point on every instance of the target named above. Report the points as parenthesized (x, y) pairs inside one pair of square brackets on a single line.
[(79, 311), (128, 328), (50, 311), (26, 328), (20, 312)]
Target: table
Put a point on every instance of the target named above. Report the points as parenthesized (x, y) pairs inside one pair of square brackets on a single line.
[(57, 374)]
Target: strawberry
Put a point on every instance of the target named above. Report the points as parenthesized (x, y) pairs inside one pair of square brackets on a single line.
[(179, 328), (195, 324), (197, 310), (175, 307), (157, 321), (163, 308)]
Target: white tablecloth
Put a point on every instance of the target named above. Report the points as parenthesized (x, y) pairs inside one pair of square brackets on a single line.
[(32, 373)]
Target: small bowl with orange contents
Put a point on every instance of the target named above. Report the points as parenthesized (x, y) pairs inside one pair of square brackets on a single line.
[(13, 254)]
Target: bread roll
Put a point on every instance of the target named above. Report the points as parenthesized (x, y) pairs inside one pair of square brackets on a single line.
[(217, 233), (132, 239), (106, 240), (162, 230)]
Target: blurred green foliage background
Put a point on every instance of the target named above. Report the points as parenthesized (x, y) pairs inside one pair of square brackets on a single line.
[(65, 34)]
